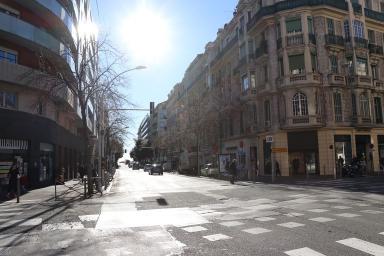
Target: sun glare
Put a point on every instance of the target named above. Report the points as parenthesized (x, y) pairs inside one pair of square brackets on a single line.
[(146, 34)]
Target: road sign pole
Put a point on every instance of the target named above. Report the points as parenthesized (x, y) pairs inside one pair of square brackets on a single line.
[(273, 164)]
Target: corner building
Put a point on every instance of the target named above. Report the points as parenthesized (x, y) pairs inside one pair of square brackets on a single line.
[(41, 132), (312, 78)]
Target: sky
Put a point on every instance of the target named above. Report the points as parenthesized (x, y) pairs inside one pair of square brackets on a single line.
[(163, 35)]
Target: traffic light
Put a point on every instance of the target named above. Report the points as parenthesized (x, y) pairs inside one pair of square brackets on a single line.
[(151, 107)]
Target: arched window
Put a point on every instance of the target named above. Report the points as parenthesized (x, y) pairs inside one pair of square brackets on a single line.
[(364, 105), (300, 104)]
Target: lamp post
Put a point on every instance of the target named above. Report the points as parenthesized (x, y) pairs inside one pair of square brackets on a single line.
[(102, 132)]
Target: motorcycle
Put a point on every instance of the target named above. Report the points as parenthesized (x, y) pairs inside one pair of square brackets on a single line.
[(350, 170)]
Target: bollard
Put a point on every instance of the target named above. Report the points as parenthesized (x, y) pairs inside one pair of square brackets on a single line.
[(85, 187), (18, 189)]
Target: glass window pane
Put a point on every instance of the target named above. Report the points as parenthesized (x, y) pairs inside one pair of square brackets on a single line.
[(293, 25), (338, 107), (12, 57), (330, 26), (10, 100), (296, 64), (378, 110), (362, 67), (334, 64), (310, 25)]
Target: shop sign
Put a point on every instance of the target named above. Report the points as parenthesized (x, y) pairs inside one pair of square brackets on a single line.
[(13, 144), (279, 150)]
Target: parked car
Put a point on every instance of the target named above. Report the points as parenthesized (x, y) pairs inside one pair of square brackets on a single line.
[(147, 167), (209, 170), (156, 168), (135, 166)]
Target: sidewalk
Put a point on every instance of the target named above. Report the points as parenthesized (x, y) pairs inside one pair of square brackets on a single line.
[(70, 191)]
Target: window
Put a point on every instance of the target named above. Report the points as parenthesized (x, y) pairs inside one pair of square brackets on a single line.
[(347, 32), (314, 62), (337, 104), (382, 6), (244, 83), (281, 67), (254, 114), (230, 121), (362, 67), (7, 55), (358, 29), (293, 25), (364, 105), (250, 47), (375, 72), (371, 36), (253, 80), (350, 65), (296, 64), (39, 108), (330, 26), (278, 31), (265, 73), (300, 104), (378, 110), (8, 100), (267, 113), (334, 64), (310, 25), (368, 4), (354, 106), (242, 51), (241, 122)]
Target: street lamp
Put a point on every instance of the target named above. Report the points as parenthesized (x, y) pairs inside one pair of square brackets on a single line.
[(102, 129)]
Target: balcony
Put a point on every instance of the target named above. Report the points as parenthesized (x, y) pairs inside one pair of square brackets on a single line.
[(225, 49), (379, 84), (335, 79), (361, 81), (379, 16), (292, 4), (262, 49), (361, 42), (375, 49), (334, 40), (294, 122), (357, 8), (361, 121), (295, 40), (297, 79)]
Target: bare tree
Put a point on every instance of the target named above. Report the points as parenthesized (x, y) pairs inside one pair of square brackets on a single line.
[(94, 68)]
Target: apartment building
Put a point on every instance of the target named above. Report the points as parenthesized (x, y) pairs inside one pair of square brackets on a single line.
[(40, 131), (299, 83)]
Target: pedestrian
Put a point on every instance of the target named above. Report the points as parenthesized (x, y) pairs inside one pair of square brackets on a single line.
[(82, 172), (233, 168), (12, 176), (277, 167)]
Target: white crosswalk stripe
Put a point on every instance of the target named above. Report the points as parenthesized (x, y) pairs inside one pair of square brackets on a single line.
[(303, 252), (364, 246), (217, 237)]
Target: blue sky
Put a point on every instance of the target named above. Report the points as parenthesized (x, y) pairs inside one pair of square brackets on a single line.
[(173, 31)]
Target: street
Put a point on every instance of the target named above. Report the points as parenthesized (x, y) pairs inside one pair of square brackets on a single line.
[(172, 214)]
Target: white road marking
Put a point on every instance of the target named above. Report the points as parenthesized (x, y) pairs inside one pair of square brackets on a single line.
[(155, 233), (263, 219), (362, 205), (372, 211), (299, 195), (364, 246), (382, 233), (256, 231), (89, 217), (194, 229), (9, 214), (318, 210), (58, 245), (294, 214), (231, 223), (322, 219), (342, 207), (62, 226), (303, 252), (348, 215), (12, 209), (32, 222), (217, 237), (291, 225)]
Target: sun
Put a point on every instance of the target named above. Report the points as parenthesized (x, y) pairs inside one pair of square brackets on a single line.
[(146, 35)]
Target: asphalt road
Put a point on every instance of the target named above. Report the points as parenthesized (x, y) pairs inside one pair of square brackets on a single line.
[(172, 214)]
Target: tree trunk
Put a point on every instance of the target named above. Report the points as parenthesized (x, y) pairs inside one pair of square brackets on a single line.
[(86, 148)]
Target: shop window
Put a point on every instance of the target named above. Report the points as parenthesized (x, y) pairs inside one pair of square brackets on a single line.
[(364, 105), (337, 101), (293, 25), (334, 64), (330, 26), (296, 64), (300, 104), (378, 110), (362, 69)]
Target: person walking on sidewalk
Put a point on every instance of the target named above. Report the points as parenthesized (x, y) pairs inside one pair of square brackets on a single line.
[(12, 176), (232, 169)]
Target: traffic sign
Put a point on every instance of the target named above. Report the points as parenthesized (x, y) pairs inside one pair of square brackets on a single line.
[(269, 139)]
